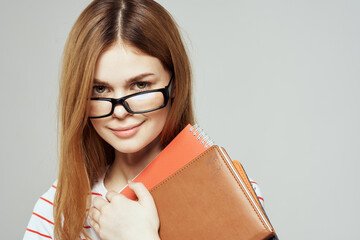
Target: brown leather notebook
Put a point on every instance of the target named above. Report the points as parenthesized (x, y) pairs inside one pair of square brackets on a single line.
[(209, 199)]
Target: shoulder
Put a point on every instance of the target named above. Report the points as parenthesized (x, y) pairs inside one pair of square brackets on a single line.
[(41, 224)]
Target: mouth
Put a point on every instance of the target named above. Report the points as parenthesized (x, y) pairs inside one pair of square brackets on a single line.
[(126, 132)]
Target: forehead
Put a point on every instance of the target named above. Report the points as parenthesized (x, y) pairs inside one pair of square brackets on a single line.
[(121, 62)]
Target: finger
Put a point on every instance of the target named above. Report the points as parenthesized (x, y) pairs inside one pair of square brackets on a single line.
[(143, 195), (94, 225), (99, 203), (111, 195), (94, 214)]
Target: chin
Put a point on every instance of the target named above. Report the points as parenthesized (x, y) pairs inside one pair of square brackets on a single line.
[(128, 149)]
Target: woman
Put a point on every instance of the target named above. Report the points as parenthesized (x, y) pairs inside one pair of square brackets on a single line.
[(116, 49)]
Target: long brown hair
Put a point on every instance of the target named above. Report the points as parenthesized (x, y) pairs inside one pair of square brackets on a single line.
[(83, 155)]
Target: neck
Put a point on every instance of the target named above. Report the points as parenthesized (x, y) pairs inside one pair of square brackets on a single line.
[(127, 166)]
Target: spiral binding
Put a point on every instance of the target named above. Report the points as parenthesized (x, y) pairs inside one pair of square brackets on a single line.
[(201, 136)]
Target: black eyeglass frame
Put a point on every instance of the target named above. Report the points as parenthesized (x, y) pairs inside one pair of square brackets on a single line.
[(122, 101)]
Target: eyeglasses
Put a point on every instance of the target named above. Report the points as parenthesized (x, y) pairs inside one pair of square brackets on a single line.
[(142, 102)]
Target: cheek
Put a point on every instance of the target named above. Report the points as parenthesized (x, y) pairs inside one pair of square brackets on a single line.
[(97, 123), (155, 124), (159, 117), (94, 123)]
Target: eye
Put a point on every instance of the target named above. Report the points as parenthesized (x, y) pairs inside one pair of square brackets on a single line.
[(141, 85), (99, 89)]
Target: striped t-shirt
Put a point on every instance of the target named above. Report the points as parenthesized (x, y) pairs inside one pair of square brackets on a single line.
[(41, 224)]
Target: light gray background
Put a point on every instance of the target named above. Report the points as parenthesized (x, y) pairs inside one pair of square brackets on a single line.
[(276, 83)]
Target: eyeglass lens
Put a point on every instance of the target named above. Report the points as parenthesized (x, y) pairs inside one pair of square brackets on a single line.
[(138, 103)]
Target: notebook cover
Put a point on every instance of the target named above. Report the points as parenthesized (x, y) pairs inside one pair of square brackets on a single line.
[(187, 145), (206, 200)]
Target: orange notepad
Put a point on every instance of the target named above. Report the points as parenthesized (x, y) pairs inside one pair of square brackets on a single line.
[(186, 146)]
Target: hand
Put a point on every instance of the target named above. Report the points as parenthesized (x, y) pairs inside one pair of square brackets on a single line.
[(125, 219)]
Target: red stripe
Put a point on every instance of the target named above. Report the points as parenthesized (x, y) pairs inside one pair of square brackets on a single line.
[(53, 186), (46, 200), (43, 218), (43, 235), (87, 227), (254, 182), (97, 194), (261, 198)]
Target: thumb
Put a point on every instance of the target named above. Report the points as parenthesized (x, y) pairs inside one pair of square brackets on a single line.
[(144, 197)]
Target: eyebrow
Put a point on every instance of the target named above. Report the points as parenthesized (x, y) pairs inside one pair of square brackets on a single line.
[(138, 77), (127, 81)]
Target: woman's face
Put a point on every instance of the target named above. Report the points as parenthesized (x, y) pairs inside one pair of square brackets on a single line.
[(120, 71)]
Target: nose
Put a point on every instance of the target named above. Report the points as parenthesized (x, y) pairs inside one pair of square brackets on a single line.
[(120, 111)]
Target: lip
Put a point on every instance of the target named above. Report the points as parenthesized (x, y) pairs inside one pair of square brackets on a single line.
[(126, 132)]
